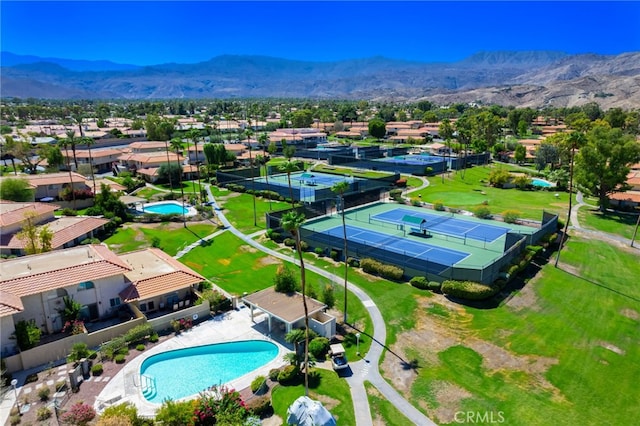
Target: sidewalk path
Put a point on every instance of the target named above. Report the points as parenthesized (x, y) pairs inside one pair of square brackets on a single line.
[(364, 369)]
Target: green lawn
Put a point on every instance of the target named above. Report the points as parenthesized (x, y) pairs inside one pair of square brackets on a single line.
[(581, 332), (612, 222), (331, 390), (170, 238), (238, 207), (382, 410), (350, 172), (474, 190)]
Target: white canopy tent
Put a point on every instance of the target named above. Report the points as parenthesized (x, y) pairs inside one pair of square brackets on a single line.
[(306, 412)]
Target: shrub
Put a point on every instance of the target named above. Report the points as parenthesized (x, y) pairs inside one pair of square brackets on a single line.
[(319, 251), (438, 205), (351, 261), (110, 348), (258, 384), (138, 333), (61, 385), (126, 412), (79, 414), (276, 236), (370, 266), (482, 212), (318, 347), (288, 374), (78, 351), (119, 359), (419, 282), (304, 246), (140, 347), (498, 177), (259, 405), (43, 393), (273, 374), (500, 283), (154, 338), (391, 272), (395, 194), (96, 369), (290, 242), (469, 290), (285, 281), (175, 413), (434, 286), (27, 334), (43, 413), (15, 420), (333, 254), (511, 216), (513, 270), (328, 296)]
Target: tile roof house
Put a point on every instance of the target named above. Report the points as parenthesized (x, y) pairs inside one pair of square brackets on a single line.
[(67, 231), (33, 287), (51, 184)]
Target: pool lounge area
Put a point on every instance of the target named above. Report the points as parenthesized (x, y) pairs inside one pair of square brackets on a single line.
[(233, 326)]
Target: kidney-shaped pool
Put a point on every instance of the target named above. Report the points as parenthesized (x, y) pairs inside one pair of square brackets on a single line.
[(184, 372)]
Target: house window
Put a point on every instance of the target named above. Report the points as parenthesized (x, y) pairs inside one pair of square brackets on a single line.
[(115, 302), (86, 285), (143, 307)]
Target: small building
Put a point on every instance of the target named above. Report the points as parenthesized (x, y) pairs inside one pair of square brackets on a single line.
[(286, 311)]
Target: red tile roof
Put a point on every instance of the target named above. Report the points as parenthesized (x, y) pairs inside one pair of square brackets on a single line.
[(12, 213), (65, 229), (10, 304)]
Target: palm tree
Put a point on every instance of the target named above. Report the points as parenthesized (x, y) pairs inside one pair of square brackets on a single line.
[(340, 188), (263, 139), (72, 141), (89, 142), (247, 133), (576, 139), (291, 222), (194, 134), (289, 167), (176, 143), (65, 144), (296, 337), (166, 147)]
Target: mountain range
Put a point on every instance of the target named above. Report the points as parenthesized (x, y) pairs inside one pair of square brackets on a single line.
[(520, 78)]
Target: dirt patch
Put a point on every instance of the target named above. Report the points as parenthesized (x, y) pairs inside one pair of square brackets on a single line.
[(441, 324), (274, 420), (612, 348), (630, 313), (448, 397), (248, 249), (377, 419), (268, 260), (225, 262), (328, 402), (525, 298)]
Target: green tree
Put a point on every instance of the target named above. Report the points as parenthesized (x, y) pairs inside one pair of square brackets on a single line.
[(54, 157), (16, 189), (340, 188), (178, 146), (302, 118), (194, 135), (36, 239), (603, 163), (520, 153), (377, 128), (175, 413), (89, 142), (546, 154), (291, 222), (284, 281), (72, 141), (170, 172)]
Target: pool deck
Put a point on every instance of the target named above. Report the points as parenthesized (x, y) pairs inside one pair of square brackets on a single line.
[(228, 327)]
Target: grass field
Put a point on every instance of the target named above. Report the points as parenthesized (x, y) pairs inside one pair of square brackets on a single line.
[(169, 237), (556, 355), (384, 411), (331, 390), (474, 190), (612, 222), (240, 206)]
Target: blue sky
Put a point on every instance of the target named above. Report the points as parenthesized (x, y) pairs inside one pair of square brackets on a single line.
[(153, 32)]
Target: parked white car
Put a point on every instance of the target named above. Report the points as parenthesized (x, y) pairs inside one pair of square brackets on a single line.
[(338, 357)]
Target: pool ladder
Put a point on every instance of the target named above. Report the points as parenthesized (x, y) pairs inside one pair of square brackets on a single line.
[(148, 386)]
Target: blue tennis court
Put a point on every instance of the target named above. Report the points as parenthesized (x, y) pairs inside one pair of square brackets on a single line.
[(319, 178), (426, 252), (412, 159), (446, 224)]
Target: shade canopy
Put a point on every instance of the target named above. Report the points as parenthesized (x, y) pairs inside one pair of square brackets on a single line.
[(306, 412)]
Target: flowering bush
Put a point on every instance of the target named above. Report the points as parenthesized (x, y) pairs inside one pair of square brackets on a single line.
[(222, 405), (73, 327), (79, 414)]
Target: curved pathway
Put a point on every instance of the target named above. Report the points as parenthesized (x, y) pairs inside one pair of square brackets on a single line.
[(575, 224), (364, 369)]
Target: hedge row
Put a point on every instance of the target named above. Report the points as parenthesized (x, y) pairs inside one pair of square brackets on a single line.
[(389, 272), (469, 290)]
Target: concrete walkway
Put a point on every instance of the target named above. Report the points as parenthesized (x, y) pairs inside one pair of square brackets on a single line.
[(364, 369)]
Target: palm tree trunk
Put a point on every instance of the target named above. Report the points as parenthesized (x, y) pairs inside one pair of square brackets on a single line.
[(166, 147), (346, 266), (566, 225), (293, 205), (306, 315), (184, 219)]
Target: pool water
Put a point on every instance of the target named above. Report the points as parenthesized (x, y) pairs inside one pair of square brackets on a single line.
[(540, 182), (166, 208), (184, 372)]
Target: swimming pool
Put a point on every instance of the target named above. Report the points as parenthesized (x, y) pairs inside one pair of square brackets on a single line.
[(184, 372), (541, 182), (167, 207)]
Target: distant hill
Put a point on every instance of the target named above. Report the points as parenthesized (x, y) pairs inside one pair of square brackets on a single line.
[(523, 78)]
